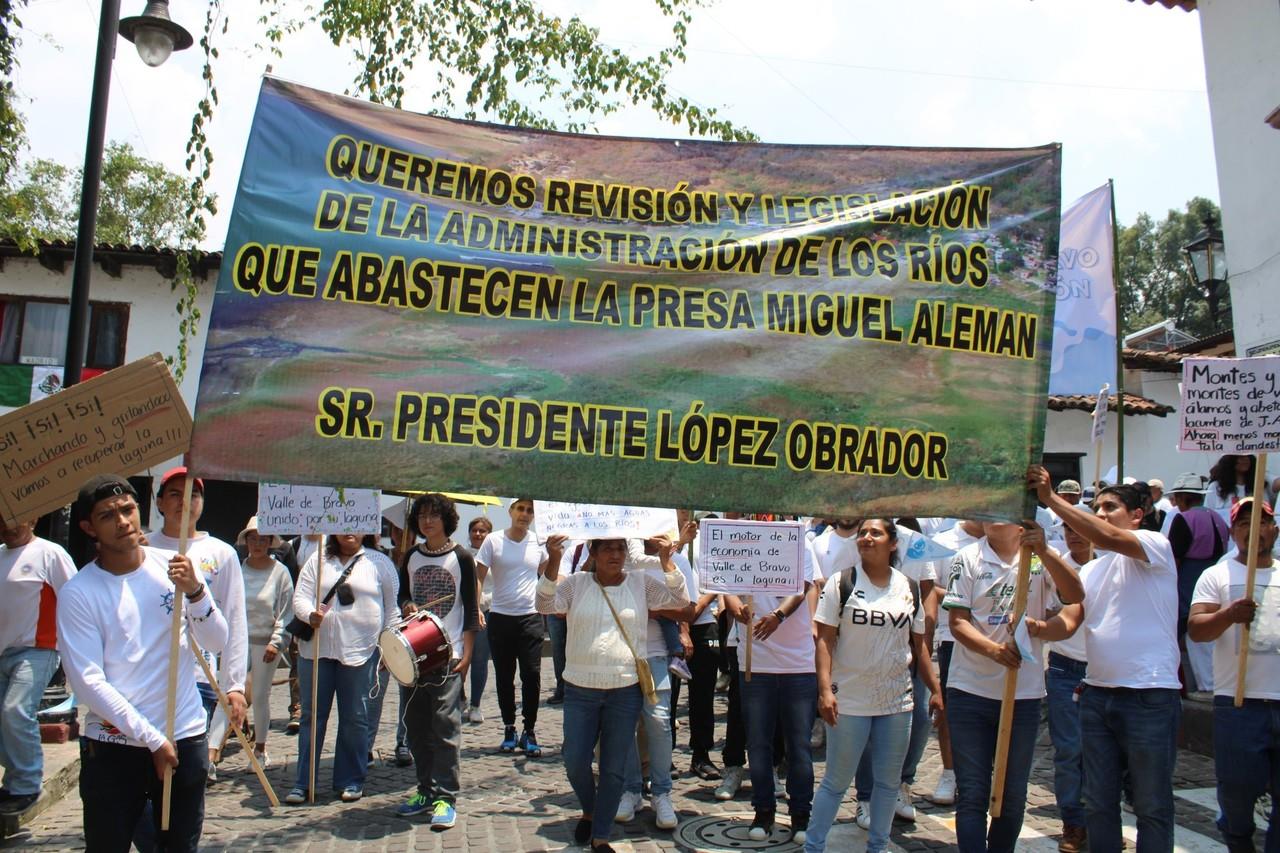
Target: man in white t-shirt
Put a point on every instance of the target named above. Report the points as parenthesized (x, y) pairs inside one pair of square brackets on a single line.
[(1130, 704), (32, 570), (515, 627), (114, 635), (980, 606), (219, 565), (1244, 739), (783, 687)]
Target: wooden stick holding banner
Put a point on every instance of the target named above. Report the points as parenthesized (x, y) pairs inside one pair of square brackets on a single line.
[(1005, 730), (751, 606), (1099, 430), (175, 630), (226, 709), (315, 674), (1255, 521)]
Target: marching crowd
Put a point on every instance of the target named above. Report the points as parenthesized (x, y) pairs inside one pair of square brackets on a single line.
[(1135, 596)]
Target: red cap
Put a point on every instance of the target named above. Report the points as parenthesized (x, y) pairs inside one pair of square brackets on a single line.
[(180, 471), (1237, 508)]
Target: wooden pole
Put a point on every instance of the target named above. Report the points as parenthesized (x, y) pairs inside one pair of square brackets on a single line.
[(175, 633), (1255, 522), (751, 605), (226, 709), (1010, 688), (315, 673)]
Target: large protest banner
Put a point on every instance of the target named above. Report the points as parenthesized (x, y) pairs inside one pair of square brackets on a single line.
[(409, 301), (1084, 321)]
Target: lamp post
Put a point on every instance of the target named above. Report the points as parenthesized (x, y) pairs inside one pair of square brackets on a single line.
[(1207, 264), (155, 37)]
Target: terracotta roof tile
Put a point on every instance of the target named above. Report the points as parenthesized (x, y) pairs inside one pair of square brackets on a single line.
[(1184, 5), (1156, 360), (1133, 404)]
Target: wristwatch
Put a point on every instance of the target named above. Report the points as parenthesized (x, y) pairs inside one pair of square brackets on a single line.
[(779, 615)]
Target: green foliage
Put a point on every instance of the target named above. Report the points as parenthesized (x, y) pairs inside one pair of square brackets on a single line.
[(1155, 282), (140, 201), (503, 60), (13, 133)]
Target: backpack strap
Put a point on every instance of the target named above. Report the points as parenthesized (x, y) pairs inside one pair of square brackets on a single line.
[(848, 577)]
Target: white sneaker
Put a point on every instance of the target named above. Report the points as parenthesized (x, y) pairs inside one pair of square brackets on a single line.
[(818, 737), (944, 794), (664, 812), (477, 716), (903, 808), (264, 758), (732, 781), (466, 713), (864, 815), (627, 807)]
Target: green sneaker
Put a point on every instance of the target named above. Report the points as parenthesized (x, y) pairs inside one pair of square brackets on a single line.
[(417, 804), (443, 816)]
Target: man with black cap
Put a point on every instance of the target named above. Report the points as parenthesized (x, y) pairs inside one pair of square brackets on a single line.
[(114, 632), (219, 566), (1244, 739)]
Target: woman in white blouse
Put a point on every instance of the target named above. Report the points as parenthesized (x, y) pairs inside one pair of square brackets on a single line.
[(607, 614), (347, 629)]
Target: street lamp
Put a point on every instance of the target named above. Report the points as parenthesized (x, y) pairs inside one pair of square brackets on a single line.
[(1207, 264), (155, 37)]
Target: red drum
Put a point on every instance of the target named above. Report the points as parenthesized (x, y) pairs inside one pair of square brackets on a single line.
[(415, 647)]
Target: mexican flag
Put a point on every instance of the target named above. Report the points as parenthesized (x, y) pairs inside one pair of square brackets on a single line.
[(21, 384)]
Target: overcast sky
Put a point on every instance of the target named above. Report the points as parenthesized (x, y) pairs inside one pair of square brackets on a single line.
[(1119, 84)]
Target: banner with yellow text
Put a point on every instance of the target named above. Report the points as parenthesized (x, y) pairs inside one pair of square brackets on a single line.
[(413, 302)]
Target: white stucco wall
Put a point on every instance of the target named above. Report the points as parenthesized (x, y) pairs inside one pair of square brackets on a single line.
[(153, 316), (1242, 69)]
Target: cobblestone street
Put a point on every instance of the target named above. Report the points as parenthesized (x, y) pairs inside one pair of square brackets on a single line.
[(510, 803)]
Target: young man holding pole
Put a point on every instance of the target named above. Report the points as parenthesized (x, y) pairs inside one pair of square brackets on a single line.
[(1130, 704), (219, 567), (1246, 739), (114, 634), (983, 608)]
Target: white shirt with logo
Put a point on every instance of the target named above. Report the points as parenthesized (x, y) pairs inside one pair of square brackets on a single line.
[(985, 585), (1222, 584), (871, 671), (1131, 618), (30, 577), (114, 635), (955, 538), (789, 650), (514, 566)]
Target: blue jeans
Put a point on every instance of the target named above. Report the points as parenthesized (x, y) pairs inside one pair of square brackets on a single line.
[(1061, 678), (974, 722), (888, 736), (24, 674), (379, 682), (478, 675), (767, 700), (608, 716), (920, 726), (1246, 753), (350, 684), (657, 730), (558, 630), (1135, 731), (670, 638)]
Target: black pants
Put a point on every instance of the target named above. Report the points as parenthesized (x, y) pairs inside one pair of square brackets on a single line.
[(705, 666), (515, 639), (734, 753), (117, 782)]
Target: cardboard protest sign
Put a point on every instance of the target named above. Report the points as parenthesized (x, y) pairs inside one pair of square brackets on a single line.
[(289, 509), (750, 557), (596, 521), (807, 329), (1231, 405), (120, 422)]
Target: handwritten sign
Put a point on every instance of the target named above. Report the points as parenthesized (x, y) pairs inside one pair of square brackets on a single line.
[(1231, 405), (120, 422), (597, 521), (287, 509), (750, 557)]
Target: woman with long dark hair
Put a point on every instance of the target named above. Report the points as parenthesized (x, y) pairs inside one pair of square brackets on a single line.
[(364, 584)]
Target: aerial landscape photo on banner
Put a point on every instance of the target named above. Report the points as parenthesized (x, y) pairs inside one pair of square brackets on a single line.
[(410, 301)]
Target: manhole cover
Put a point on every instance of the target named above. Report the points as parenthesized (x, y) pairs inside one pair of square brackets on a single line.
[(722, 833)]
